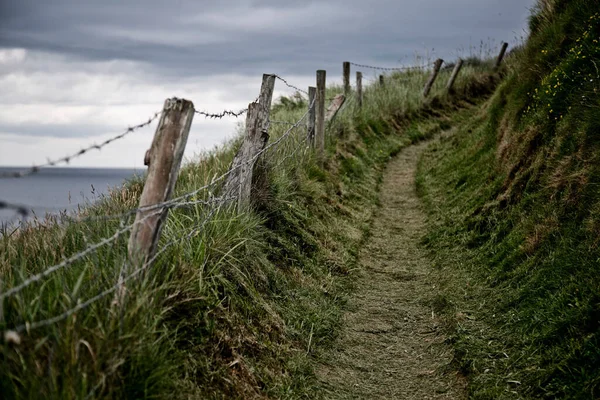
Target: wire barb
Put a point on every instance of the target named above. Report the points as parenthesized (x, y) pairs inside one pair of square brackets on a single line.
[(224, 113)]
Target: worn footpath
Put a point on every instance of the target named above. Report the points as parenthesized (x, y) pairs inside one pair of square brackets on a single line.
[(392, 345)]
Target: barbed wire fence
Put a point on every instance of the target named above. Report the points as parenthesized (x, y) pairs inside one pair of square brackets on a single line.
[(297, 137), (210, 206)]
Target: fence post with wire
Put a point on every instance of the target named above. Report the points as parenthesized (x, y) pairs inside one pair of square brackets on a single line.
[(163, 160), (346, 75), (359, 89), (310, 123), (500, 56), (434, 74), (320, 115), (239, 182), (455, 72)]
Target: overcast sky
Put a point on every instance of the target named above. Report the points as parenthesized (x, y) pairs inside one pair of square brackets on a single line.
[(75, 72)]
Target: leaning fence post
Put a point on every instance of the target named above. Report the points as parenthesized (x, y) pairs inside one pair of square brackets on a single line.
[(432, 78), (320, 115), (346, 73), (163, 160), (501, 55), (239, 181), (310, 124), (334, 107), (455, 72), (381, 82), (359, 91)]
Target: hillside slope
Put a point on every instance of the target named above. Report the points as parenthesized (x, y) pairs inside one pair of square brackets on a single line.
[(237, 303), (514, 203)]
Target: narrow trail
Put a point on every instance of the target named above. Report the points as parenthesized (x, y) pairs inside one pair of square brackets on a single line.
[(392, 346)]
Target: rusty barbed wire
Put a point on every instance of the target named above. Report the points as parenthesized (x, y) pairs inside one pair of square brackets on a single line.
[(224, 113), (36, 168)]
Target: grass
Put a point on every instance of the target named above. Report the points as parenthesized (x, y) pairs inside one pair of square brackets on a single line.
[(513, 198), (237, 308)]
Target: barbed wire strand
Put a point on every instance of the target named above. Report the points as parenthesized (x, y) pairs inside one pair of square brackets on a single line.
[(275, 122), (36, 168), (161, 206), (224, 113), (93, 247), (38, 324), (286, 83), (214, 181), (392, 68)]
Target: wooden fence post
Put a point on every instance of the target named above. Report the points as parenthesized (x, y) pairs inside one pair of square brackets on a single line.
[(359, 91), (320, 115), (381, 82), (310, 124), (457, 68), (346, 73), (432, 78), (239, 182), (163, 160), (334, 107), (501, 56)]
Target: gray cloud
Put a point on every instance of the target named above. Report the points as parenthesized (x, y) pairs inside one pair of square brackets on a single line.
[(200, 37), (76, 71)]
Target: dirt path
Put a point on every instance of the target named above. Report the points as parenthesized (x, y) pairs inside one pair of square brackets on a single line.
[(391, 346)]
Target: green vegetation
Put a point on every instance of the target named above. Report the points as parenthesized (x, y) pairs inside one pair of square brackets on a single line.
[(234, 308), (514, 200)]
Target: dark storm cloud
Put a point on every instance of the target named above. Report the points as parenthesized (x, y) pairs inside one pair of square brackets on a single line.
[(249, 37)]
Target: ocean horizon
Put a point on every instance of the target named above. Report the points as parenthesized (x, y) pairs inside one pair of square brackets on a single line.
[(56, 189)]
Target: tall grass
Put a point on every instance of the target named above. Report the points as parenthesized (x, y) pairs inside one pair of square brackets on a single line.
[(233, 309), (515, 196)]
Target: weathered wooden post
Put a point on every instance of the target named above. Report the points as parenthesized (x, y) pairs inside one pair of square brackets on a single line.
[(455, 72), (432, 78), (334, 107), (501, 56), (239, 181), (320, 115), (310, 124), (381, 81), (346, 73), (163, 160), (359, 91)]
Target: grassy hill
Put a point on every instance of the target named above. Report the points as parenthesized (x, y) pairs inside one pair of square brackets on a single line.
[(237, 304), (514, 201)]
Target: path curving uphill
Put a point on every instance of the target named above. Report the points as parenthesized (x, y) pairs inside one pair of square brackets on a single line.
[(392, 345)]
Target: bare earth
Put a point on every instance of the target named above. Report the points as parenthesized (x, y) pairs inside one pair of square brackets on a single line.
[(392, 346)]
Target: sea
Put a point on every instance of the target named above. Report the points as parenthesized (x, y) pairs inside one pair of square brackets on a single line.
[(53, 190)]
